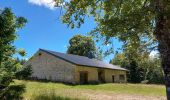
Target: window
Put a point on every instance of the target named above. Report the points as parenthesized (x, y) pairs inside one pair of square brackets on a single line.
[(39, 54), (121, 77)]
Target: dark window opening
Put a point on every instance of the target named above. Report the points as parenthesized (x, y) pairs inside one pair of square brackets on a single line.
[(40, 54)]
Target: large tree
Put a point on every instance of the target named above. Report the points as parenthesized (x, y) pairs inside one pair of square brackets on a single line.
[(82, 45), (9, 23), (136, 20)]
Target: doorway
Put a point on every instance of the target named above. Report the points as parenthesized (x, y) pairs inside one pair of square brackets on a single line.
[(113, 78), (101, 76), (83, 77)]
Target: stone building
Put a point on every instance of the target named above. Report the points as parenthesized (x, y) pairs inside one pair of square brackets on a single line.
[(73, 69)]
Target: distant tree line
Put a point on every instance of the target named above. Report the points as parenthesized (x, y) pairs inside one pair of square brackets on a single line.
[(147, 69)]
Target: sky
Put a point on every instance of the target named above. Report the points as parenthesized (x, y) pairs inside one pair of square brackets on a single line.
[(44, 28)]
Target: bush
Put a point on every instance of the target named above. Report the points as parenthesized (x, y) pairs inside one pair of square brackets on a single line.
[(24, 73), (53, 97), (13, 92), (93, 82), (145, 81)]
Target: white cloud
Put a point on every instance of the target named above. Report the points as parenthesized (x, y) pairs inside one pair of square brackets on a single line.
[(47, 3)]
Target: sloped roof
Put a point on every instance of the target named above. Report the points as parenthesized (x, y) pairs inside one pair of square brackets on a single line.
[(83, 61)]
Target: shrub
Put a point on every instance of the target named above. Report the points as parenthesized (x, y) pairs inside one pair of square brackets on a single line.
[(24, 73), (13, 92)]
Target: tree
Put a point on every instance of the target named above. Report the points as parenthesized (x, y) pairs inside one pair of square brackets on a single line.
[(120, 59), (9, 24), (147, 69), (82, 45), (21, 61), (138, 20), (24, 72), (135, 74), (152, 70)]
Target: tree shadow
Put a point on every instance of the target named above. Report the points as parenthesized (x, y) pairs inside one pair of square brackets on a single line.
[(52, 97), (13, 92)]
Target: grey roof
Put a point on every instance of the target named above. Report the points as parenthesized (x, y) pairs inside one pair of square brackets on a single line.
[(83, 61)]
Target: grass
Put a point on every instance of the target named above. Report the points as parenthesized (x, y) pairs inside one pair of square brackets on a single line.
[(52, 97), (140, 89), (58, 91)]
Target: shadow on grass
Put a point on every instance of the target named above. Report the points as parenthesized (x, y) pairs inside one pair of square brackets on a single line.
[(13, 92), (52, 97), (65, 83)]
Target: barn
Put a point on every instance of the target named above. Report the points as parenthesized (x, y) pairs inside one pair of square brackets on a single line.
[(68, 68)]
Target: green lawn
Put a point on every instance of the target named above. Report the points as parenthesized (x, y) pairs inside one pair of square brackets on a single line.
[(58, 91)]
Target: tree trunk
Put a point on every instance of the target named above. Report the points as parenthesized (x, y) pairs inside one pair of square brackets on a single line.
[(162, 33)]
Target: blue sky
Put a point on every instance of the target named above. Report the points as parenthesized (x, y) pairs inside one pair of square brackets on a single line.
[(44, 28)]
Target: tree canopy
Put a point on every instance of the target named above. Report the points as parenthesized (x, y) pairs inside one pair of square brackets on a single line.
[(132, 22), (124, 19), (82, 45)]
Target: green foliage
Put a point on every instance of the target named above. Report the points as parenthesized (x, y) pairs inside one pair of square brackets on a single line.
[(9, 24), (24, 73), (82, 45), (13, 92), (130, 21), (145, 68), (125, 20), (120, 59), (152, 70), (22, 52), (21, 61), (52, 96), (136, 72)]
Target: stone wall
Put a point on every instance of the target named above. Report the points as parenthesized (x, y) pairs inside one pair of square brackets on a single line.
[(93, 74), (46, 66), (116, 73)]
